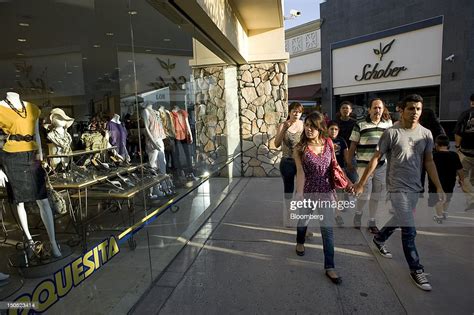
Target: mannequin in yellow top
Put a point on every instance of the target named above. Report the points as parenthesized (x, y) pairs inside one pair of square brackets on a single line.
[(21, 163)]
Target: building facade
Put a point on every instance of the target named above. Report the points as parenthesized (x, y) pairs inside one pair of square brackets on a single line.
[(303, 43), (422, 46)]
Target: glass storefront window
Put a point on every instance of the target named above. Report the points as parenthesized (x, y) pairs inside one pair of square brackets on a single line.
[(134, 156)]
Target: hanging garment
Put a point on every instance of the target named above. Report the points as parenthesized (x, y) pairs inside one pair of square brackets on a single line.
[(118, 137)]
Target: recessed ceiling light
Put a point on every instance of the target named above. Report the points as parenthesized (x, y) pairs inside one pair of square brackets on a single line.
[(84, 58), (132, 12), (69, 72), (23, 24), (21, 40), (17, 75), (60, 81), (96, 46), (167, 40), (147, 50), (109, 34), (20, 54), (129, 60)]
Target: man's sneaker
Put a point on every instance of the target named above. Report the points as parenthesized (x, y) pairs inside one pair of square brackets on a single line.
[(470, 207), (373, 227), (419, 277), (382, 249), (357, 221)]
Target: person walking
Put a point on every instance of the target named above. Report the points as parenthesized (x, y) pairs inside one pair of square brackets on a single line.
[(429, 120), (313, 156), (342, 156), (288, 136), (448, 167), (346, 123), (407, 146), (364, 139), (464, 138)]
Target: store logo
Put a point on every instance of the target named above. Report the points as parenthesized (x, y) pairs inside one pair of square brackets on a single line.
[(382, 51), (370, 72), (167, 66)]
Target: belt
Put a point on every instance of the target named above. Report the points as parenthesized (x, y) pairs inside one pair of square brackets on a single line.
[(26, 138)]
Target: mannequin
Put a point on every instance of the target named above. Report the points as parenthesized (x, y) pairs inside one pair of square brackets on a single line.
[(118, 137), (59, 136), (182, 131), (170, 152), (155, 147), (19, 120)]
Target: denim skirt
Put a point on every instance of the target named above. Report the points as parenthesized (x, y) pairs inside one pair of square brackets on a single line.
[(26, 177)]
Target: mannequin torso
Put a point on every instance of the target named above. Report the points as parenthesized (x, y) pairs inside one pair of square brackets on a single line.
[(19, 120)]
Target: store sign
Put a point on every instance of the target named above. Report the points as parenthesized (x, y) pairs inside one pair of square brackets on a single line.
[(376, 71), (375, 62), (50, 291), (174, 84)]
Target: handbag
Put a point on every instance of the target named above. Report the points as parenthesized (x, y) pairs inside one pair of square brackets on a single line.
[(337, 176), (56, 200)]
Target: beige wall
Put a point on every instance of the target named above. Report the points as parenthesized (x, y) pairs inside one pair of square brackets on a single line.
[(304, 79)]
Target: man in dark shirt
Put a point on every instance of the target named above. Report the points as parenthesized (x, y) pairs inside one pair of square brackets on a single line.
[(464, 137), (346, 124)]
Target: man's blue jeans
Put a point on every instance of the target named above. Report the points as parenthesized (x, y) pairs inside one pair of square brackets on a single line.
[(403, 203)]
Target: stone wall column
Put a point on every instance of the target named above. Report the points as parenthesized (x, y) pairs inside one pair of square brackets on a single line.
[(263, 96)]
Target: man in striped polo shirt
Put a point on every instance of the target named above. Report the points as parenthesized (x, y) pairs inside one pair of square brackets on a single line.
[(364, 139)]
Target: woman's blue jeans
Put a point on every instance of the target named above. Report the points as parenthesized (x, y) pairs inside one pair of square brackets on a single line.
[(288, 173), (327, 234)]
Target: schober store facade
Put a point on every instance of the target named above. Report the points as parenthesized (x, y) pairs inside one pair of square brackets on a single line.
[(390, 63), (388, 50)]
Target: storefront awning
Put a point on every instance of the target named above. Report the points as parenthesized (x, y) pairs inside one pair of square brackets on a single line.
[(305, 93)]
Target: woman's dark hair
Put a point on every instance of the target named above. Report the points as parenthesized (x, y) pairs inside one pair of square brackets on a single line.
[(332, 123), (345, 103), (294, 105), (316, 119), (442, 140)]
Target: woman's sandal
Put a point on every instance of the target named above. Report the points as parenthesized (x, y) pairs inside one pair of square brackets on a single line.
[(299, 253), (336, 280)]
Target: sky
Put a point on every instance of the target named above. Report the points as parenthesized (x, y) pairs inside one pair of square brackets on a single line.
[(309, 11)]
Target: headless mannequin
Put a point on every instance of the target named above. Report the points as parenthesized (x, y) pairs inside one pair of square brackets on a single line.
[(43, 204), (155, 146), (116, 119), (179, 116), (122, 148)]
